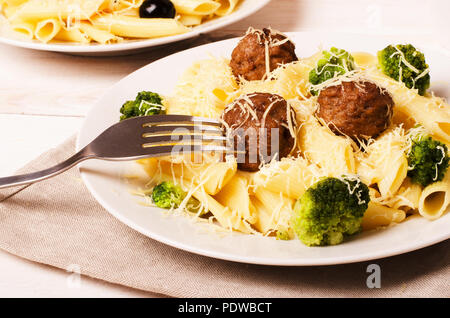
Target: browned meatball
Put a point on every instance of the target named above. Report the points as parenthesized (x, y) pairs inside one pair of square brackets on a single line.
[(248, 59), (359, 110), (250, 122)]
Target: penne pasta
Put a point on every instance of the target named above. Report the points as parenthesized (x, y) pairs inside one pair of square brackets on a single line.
[(108, 21), (378, 215), (191, 20), (264, 223), (407, 197), (25, 29), (365, 60), (235, 195), (280, 208), (291, 177), (226, 7), (46, 30), (14, 3), (9, 12), (291, 80), (435, 199), (196, 7), (213, 177), (317, 142), (432, 112), (100, 36), (133, 27), (384, 162), (72, 35), (54, 9), (227, 219)]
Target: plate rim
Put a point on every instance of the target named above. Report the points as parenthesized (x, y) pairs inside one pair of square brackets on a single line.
[(324, 261), (135, 44)]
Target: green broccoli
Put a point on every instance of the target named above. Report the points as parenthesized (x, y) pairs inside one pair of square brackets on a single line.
[(167, 195), (428, 160), (333, 63), (406, 64), (145, 104), (285, 235), (330, 209)]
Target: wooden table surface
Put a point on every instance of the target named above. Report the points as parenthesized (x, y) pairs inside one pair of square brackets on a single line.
[(44, 97)]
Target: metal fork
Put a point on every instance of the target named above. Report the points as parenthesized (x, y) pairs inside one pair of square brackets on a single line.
[(137, 138)]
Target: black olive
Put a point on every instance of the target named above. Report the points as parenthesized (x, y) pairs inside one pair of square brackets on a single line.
[(157, 9)]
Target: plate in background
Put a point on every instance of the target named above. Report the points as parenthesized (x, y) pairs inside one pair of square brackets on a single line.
[(246, 8)]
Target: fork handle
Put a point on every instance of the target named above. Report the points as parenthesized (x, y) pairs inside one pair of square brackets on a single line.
[(33, 177)]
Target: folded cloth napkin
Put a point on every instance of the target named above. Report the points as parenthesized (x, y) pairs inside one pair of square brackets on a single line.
[(57, 222)]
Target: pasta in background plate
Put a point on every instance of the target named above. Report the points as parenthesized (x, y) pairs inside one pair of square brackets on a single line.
[(107, 21)]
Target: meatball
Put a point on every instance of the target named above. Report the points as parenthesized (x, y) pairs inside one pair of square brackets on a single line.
[(248, 59), (359, 110), (251, 122)]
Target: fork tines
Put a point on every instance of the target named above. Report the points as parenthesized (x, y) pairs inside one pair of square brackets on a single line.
[(180, 133)]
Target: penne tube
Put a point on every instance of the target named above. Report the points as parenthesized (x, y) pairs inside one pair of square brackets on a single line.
[(289, 176), (213, 177), (407, 197), (196, 7), (248, 87), (431, 112), (227, 219), (435, 199), (235, 196), (46, 30), (279, 206), (9, 12), (226, 7), (378, 215), (292, 79), (190, 20), (14, 3), (100, 36), (25, 29), (384, 162), (150, 166), (392, 177), (120, 6), (364, 60), (317, 142), (72, 35), (54, 9), (134, 27), (264, 223)]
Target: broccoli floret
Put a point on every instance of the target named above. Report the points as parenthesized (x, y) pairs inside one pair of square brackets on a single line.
[(406, 64), (145, 104), (333, 63), (167, 195), (428, 160), (285, 235), (330, 209)]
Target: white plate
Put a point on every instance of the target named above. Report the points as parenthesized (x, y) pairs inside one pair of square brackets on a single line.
[(104, 178), (245, 9)]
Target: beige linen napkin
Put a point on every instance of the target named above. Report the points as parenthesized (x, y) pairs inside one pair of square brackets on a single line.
[(57, 222)]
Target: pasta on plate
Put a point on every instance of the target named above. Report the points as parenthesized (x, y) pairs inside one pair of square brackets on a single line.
[(108, 21), (335, 180)]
